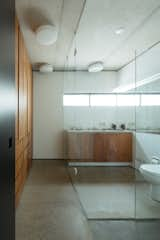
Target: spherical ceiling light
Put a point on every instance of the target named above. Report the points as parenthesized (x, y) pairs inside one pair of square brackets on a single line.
[(95, 67), (46, 68), (46, 35)]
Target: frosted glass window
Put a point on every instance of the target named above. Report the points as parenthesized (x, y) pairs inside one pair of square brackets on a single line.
[(76, 100), (128, 100), (150, 100), (103, 100)]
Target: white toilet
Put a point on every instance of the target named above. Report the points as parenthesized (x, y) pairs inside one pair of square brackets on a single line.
[(151, 173)]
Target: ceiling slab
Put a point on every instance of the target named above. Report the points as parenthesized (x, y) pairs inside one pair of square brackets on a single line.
[(95, 38), (63, 14)]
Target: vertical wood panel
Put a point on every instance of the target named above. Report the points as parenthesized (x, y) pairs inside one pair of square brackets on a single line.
[(21, 88), (23, 114), (111, 147), (98, 147)]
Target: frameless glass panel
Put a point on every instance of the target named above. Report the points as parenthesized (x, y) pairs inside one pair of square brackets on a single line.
[(100, 138), (147, 134)]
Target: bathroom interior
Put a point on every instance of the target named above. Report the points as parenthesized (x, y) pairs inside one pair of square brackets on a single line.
[(111, 123), (99, 115)]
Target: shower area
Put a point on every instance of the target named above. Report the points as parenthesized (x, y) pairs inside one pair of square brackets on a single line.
[(111, 134)]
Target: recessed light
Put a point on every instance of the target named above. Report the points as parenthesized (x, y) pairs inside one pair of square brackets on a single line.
[(120, 30), (95, 67), (46, 34)]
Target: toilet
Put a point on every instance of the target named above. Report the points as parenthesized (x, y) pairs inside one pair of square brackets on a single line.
[(151, 173)]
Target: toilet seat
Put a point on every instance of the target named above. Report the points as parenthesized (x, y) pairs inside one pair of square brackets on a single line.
[(151, 169), (151, 173)]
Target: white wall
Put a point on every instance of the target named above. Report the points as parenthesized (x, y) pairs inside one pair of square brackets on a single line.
[(48, 116), (98, 117), (127, 75), (84, 82), (48, 106), (148, 64), (145, 66)]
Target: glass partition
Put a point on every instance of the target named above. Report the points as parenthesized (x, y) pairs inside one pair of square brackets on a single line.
[(112, 127), (148, 134), (99, 125)]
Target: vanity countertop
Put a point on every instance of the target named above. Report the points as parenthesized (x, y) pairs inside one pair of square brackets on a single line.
[(112, 131), (99, 131), (149, 131)]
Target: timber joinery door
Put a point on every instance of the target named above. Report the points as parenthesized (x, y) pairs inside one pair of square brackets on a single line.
[(23, 113)]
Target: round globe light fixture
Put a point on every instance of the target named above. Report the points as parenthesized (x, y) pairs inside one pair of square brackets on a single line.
[(46, 35), (46, 68), (95, 67)]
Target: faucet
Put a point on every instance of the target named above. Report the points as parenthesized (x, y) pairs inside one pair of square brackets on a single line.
[(113, 126)]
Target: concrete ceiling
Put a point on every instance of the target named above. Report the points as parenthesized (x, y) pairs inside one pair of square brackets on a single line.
[(64, 14), (89, 26)]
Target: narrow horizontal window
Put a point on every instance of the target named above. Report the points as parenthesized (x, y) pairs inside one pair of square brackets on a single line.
[(76, 100), (150, 100), (103, 100), (128, 100)]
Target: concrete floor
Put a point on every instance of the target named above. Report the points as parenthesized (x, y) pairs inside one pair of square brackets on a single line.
[(50, 210), (114, 193), (125, 230)]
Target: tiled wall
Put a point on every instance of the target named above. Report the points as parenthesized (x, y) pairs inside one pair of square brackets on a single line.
[(98, 117)]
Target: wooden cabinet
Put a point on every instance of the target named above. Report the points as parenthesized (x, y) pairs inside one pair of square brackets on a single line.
[(113, 147), (100, 147), (23, 134), (80, 146)]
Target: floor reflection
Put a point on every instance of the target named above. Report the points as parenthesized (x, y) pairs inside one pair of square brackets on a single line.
[(114, 193), (120, 230)]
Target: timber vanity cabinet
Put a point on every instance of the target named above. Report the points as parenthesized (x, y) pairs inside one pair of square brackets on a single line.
[(107, 146), (23, 128)]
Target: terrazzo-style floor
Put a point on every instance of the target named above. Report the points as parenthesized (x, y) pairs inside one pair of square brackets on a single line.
[(50, 208)]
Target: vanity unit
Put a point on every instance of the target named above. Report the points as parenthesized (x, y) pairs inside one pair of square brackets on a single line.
[(99, 146)]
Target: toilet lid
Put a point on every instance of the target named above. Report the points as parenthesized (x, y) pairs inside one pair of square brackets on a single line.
[(152, 168)]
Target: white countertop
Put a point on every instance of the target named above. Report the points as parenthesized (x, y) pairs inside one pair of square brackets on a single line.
[(111, 131), (98, 131)]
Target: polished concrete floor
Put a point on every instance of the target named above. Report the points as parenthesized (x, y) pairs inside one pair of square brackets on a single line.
[(114, 192), (125, 230), (50, 209)]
